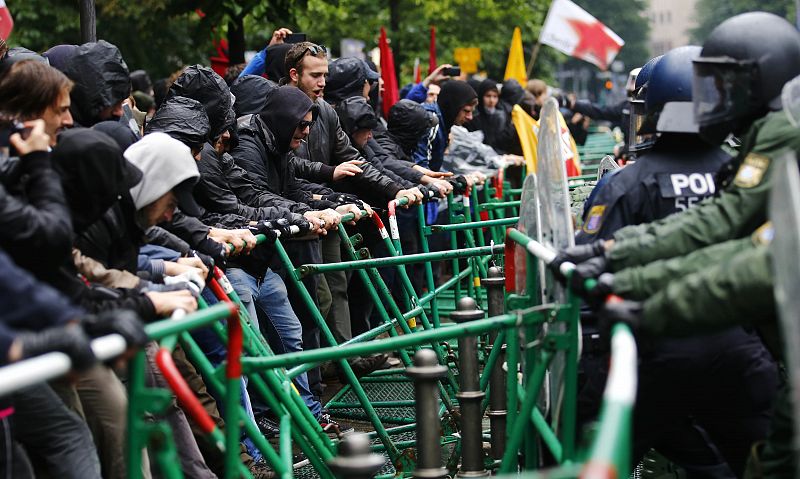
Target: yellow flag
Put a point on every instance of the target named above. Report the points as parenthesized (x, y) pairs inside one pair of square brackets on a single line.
[(515, 68), (527, 129)]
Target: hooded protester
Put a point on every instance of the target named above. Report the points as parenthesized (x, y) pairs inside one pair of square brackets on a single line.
[(204, 85), (275, 65), (493, 118), (457, 100), (512, 92), (348, 77), (59, 56), (102, 82), (123, 135), (184, 119), (251, 92)]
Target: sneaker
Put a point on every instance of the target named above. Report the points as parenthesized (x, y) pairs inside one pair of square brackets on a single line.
[(260, 470), (333, 427), (268, 427)]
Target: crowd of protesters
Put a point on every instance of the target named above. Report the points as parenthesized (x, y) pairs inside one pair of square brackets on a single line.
[(120, 196)]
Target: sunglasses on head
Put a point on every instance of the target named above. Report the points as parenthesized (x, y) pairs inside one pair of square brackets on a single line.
[(315, 50)]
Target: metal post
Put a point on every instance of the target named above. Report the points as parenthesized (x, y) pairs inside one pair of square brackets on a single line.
[(495, 283), (355, 460), (426, 373), (470, 396), (88, 21)]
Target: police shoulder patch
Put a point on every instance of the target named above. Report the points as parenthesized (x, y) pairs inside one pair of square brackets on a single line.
[(752, 170), (594, 219), (763, 235)]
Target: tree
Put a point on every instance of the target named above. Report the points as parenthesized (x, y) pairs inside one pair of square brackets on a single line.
[(711, 13)]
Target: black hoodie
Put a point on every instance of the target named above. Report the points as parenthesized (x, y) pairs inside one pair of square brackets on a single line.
[(283, 110), (498, 130), (251, 92), (182, 118), (454, 96), (204, 85), (408, 122), (101, 80)]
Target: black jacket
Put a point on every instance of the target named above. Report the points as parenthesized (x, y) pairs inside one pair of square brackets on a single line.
[(498, 130), (224, 187), (329, 145), (676, 174), (204, 85)]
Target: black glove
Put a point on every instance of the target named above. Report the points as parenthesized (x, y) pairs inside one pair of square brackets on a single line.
[(124, 322), (264, 228), (577, 255), (625, 311), (593, 269), (70, 340), (429, 192), (460, 184), (300, 221), (207, 260), (217, 251), (344, 199)]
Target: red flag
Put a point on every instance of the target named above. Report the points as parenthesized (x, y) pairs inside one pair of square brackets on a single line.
[(417, 71), (432, 51), (391, 93), (6, 22)]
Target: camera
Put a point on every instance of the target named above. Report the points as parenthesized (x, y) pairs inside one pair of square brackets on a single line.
[(452, 71)]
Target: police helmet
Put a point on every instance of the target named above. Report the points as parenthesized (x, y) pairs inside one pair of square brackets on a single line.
[(739, 74), (640, 142), (668, 99)]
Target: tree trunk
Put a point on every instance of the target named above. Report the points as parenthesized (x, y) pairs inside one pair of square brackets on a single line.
[(236, 45)]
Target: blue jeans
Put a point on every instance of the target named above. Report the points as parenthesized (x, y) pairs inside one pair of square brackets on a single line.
[(269, 302)]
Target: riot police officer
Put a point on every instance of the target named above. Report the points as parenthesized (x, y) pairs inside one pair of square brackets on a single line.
[(676, 173)]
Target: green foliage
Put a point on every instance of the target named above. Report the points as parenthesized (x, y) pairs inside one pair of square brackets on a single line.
[(711, 13)]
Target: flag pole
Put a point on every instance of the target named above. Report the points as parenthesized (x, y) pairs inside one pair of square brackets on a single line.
[(534, 54)]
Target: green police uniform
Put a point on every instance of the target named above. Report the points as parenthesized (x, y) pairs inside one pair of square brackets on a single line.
[(735, 213)]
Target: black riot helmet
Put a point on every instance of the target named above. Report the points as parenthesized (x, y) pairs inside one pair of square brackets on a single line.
[(668, 100), (640, 142), (738, 77)]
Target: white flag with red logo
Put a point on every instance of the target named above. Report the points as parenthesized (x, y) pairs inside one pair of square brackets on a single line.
[(572, 30), (6, 22)]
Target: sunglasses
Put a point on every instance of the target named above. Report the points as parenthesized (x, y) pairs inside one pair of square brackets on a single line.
[(315, 50), (305, 124)]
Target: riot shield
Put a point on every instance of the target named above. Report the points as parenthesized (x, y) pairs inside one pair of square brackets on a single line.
[(791, 100), (528, 224), (784, 213), (607, 164), (555, 230)]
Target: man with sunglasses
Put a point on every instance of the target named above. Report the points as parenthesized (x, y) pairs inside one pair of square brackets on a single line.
[(307, 68)]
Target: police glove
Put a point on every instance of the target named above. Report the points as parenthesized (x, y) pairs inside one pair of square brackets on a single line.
[(124, 322), (590, 281), (217, 251), (70, 340), (624, 311), (576, 255)]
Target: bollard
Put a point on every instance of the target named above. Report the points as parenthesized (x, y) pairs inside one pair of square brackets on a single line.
[(355, 460), (426, 373), (470, 396), (495, 283)]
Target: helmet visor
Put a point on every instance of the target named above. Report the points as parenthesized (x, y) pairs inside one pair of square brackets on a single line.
[(637, 140), (722, 89)]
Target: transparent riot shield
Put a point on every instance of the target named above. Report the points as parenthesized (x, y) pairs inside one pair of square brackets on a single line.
[(784, 213), (791, 100), (607, 164), (554, 230)]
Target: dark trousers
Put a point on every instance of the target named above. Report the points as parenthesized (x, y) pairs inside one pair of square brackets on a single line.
[(701, 401), (56, 439)]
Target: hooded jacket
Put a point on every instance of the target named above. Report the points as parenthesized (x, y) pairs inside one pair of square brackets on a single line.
[(94, 175), (264, 148), (204, 85), (346, 78), (251, 94), (181, 118), (101, 80), (498, 130), (408, 123), (356, 114), (165, 163), (454, 96), (328, 144), (275, 64), (512, 92)]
